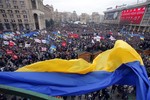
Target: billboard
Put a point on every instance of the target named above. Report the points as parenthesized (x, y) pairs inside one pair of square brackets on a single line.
[(132, 16)]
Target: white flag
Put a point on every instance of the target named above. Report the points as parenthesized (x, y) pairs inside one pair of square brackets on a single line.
[(93, 41), (27, 45), (43, 41), (6, 42), (37, 40), (112, 38), (43, 49)]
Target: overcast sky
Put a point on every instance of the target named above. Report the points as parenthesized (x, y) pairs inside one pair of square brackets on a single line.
[(87, 6)]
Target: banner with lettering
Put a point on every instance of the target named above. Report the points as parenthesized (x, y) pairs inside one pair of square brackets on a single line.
[(132, 16)]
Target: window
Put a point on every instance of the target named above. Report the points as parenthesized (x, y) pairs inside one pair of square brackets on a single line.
[(10, 11), (33, 2), (17, 11), (1, 26), (1, 6), (22, 2), (2, 11), (25, 20), (7, 25), (14, 1), (4, 15), (6, 20), (24, 12), (12, 20), (23, 6), (19, 20), (25, 16), (18, 16), (146, 17), (148, 9), (7, 1), (27, 26), (16, 7), (8, 5), (11, 15)]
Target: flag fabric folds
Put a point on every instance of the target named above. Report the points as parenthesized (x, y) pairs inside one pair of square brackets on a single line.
[(109, 61), (120, 65)]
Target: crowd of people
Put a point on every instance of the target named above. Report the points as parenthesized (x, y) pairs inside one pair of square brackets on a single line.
[(65, 42), (115, 92)]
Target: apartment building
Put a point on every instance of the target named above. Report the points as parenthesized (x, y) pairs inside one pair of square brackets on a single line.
[(21, 14)]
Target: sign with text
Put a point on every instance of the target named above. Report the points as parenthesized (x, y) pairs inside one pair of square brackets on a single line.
[(132, 16)]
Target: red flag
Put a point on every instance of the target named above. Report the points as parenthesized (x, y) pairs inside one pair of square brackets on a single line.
[(64, 44), (74, 35), (110, 33), (15, 57), (101, 38), (11, 43), (9, 52)]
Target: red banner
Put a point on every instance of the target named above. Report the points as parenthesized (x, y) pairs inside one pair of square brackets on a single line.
[(73, 35), (9, 52), (132, 16), (15, 57), (11, 43), (64, 44)]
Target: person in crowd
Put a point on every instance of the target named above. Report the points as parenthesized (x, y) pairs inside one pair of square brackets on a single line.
[(113, 88)]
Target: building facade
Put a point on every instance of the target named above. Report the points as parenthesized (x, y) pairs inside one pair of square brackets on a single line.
[(84, 18), (21, 14), (96, 18), (57, 16), (136, 17), (74, 17), (49, 12), (65, 17)]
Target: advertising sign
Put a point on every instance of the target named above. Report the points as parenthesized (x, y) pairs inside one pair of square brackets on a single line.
[(132, 16)]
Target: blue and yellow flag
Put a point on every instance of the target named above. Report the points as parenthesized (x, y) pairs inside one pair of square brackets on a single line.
[(142, 37), (119, 65)]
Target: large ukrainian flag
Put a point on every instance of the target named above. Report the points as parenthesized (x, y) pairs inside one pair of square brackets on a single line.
[(120, 65)]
